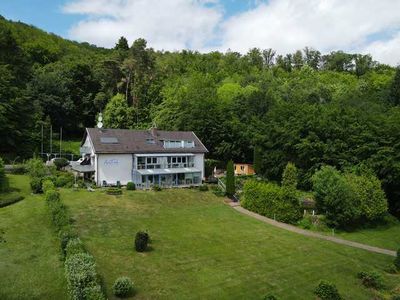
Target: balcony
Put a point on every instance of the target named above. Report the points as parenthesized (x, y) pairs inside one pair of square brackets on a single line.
[(165, 166)]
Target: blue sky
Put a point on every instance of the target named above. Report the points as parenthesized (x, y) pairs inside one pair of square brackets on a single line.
[(363, 26), (49, 16)]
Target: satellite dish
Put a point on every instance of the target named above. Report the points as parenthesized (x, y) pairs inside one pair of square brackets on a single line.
[(99, 124)]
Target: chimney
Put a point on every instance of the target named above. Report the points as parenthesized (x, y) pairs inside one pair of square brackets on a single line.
[(153, 131)]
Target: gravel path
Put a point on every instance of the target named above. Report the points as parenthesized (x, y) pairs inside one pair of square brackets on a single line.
[(311, 233)]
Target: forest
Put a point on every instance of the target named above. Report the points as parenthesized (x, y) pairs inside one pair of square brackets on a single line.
[(308, 108)]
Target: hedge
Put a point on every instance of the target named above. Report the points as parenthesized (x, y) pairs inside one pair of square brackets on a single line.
[(80, 268), (80, 271), (9, 199), (271, 200)]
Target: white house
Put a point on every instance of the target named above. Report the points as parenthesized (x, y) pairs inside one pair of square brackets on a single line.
[(145, 157)]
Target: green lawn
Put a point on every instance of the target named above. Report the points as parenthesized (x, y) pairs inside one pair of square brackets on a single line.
[(384, 236), (29, 257), (203, 249)]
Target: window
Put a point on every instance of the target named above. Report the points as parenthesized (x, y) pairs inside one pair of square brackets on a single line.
[(242, 168), (109, 140), (150, 141)]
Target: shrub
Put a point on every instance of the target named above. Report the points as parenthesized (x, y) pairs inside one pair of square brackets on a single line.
[(130, 186), (397, 260), (60, 163), (141, 241), (36, 168), (305, 223), (156, 188), (348, 199), (396, 297), (64, 180), (80, 271), (230, 179), (47, 185), (327, 291), (271, 200), (52, 196), (36, 185), (203, 188), (289, 176), (113, 191), (74, 246), (371, 279), (270, 297), (93, 293), (122, 287)]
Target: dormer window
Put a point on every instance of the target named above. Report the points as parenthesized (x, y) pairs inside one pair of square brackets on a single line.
[(168, 144)]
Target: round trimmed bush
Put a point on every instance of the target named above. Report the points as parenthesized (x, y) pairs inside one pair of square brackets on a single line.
[(141, 241), (327, 291), (130, 186), (122, 287)]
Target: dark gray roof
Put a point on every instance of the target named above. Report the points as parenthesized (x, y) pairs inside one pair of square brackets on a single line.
[(135, 141)]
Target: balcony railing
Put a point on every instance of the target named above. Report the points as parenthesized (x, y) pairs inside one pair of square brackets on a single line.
[(165, 166)]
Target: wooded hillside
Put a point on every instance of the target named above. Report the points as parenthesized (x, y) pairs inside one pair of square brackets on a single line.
[(307, 107)]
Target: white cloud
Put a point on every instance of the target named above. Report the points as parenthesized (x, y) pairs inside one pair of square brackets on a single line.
[(284, 25), (168, 24), (387, 51), (326, 25)]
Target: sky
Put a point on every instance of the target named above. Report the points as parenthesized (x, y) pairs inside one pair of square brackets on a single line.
[(362, 26)]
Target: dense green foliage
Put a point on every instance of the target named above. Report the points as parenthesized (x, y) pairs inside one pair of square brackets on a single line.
[(230, 179), (327, 291), (257, 163), (60, 163), (289, 176), (3, 178), (141, 241), (123, 287), (348, 199), (130, 186), (80, 271), (271, 200), (307, 108), (371, 279)]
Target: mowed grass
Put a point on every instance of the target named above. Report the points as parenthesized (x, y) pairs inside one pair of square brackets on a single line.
[(384, 236), (29, 250), (203, 249)]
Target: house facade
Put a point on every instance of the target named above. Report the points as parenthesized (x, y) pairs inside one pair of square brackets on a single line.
[(145, 157)]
